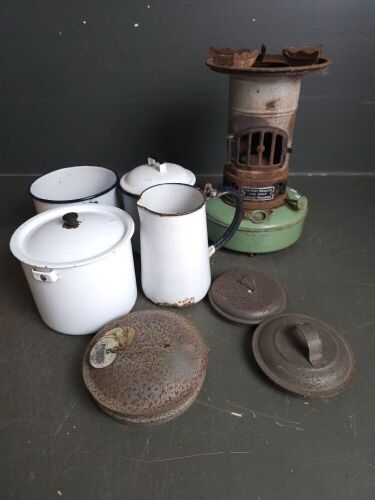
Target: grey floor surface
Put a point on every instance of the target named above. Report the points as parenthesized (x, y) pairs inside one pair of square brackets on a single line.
[(56, 443)]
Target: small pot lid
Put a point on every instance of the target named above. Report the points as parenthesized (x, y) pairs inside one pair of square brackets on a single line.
[(246, 296), (71, 235), (153, 173), (304, 355), (146, 367)]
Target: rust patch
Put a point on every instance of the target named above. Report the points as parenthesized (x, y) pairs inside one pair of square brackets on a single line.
[(238, 58), (181, 303), (301, 56), (271, 104), (222, 57)]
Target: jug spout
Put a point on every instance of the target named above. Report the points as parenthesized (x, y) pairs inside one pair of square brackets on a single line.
[(172, 199)]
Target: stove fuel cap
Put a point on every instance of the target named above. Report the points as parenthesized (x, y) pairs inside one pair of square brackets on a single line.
[(303, 355)]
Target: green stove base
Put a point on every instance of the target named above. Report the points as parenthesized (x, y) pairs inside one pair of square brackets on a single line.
[(261, 231)]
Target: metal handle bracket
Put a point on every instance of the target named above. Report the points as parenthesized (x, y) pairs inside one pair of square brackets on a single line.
[(210, 192), (44, 274)]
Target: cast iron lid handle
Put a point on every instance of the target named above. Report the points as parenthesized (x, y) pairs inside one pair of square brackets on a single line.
[(71, 220), (314, 343), (248, 282), (317, 363)]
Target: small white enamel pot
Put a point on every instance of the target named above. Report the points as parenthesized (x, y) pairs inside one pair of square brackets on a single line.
[(80, 184), (78, 262), (175, 256), (155, 172)]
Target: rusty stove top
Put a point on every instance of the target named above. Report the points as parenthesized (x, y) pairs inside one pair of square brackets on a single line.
[(271, 63)]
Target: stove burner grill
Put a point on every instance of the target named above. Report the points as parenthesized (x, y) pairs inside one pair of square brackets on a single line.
[(258, 147)]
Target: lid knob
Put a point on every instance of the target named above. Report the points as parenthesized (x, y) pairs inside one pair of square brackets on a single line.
[(248, 282), (71, 220), (158, 163), (314, 343)]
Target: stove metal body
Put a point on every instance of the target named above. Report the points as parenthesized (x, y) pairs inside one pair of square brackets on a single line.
[(262, 111), (263, 103)]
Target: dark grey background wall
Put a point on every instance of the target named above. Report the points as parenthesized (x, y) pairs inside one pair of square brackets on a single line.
[(109, 82)]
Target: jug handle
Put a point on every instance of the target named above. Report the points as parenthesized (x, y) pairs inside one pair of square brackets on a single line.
[(210, 192)]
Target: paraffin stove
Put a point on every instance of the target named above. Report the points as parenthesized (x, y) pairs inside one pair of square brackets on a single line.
[(263, 100)]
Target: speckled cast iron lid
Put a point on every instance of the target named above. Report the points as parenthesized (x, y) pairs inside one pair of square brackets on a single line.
[(246, 296), (304, 355), (146, 367)]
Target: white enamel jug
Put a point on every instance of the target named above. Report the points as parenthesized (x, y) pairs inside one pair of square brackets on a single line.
[(175, 256)]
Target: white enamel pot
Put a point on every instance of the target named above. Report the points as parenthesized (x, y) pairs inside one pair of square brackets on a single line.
[(155, 172), (80, 184), (175, 256), (79, 265)]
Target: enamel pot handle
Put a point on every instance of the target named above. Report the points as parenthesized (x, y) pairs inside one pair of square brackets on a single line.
[(209, 192), (314, 343)]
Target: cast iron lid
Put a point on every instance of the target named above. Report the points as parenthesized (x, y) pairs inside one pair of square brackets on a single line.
[(304, 355), (246, 296), (146, 367), (153, 173)]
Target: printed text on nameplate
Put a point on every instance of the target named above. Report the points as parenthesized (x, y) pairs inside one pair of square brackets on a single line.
[(258, 193)]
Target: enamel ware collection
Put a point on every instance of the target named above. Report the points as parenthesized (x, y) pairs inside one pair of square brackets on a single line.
[(77, 252)]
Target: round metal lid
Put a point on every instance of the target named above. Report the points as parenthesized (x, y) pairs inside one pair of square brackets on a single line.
[(246, 296), (153, 173), (146, 367), (304, 355), (71, 235)]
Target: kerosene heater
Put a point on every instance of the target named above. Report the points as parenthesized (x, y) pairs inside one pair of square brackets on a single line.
[(263, 100)]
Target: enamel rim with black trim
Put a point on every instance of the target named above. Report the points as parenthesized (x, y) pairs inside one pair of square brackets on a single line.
[(75, 200), (177, 214)]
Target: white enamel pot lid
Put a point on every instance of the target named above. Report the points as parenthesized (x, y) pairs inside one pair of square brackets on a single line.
[(92, 232), (154, 173)]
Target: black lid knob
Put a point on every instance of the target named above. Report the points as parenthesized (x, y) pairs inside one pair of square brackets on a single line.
[(71, 220)]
